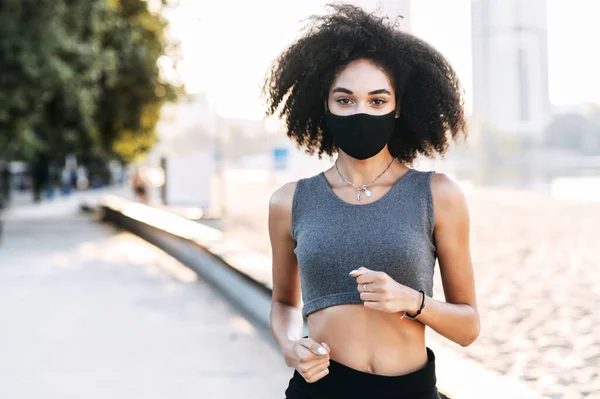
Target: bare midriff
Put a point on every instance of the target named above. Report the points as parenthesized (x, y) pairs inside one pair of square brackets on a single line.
[(370, 340)]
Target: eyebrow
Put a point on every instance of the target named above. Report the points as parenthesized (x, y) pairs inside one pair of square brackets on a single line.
[(380, 91), (344, 90)]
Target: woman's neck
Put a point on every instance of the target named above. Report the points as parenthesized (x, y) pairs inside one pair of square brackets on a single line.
[(363, 171)]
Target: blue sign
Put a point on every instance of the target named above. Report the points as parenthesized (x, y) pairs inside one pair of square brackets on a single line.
[(280, 157)]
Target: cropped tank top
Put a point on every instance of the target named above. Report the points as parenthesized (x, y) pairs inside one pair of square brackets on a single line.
[(393, 234)]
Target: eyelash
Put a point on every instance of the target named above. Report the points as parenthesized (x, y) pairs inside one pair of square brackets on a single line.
[(381, 101)]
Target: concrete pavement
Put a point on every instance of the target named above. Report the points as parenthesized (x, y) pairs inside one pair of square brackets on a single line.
[(87, 311)]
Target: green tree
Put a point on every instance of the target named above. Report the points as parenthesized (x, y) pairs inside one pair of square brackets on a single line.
[(80, 77), (132, 91)]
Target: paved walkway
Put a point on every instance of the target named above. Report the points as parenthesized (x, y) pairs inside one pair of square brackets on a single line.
[(89, 312)]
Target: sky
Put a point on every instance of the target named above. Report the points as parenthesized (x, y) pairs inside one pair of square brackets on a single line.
[(227, 46)]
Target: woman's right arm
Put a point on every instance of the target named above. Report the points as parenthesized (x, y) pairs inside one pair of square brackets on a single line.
[(286, 313), (305, 355)]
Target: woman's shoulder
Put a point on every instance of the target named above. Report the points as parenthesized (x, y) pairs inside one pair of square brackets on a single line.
[(447, 195), (444, 187), (283, 198)]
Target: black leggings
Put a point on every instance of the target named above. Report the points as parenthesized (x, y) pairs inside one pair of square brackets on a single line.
[(344, 382)]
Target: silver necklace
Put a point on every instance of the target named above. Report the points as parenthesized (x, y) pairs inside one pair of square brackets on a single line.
[(364, 187)]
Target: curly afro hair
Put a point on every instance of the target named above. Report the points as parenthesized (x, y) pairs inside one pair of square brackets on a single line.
[(429, 94)]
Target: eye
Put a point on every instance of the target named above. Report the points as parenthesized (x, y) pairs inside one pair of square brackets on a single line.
[(343, 101), (379, 101)]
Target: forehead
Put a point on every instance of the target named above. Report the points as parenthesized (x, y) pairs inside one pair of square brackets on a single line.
[(362, 76)]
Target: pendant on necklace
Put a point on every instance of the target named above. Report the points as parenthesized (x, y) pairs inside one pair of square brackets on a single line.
[(367, 193)]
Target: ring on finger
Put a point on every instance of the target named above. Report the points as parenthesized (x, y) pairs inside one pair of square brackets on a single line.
[(365, 287)]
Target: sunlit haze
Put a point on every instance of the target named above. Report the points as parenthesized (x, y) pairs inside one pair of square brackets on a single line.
[(228, 46)]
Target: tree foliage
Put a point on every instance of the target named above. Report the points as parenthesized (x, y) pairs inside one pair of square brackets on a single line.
[(80, 77), (575, 131)]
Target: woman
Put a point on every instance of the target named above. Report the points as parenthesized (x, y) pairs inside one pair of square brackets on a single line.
[(358, 243)]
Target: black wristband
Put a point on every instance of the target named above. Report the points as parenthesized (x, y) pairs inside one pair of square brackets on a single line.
[(420, 309)]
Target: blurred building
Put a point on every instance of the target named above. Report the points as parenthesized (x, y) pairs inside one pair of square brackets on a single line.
[(510, 65)]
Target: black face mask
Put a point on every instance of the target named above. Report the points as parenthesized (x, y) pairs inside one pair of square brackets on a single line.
[(361, 135)]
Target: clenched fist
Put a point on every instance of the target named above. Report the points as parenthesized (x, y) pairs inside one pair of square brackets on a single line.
[(381, 292), (309, 358)]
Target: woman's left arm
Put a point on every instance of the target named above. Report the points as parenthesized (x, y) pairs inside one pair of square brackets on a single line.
[(457, 318)]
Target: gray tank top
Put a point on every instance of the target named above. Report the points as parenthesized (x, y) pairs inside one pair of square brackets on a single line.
[(394, 234)]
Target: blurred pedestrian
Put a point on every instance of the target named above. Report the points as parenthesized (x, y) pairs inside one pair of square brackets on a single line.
[(40, 176), (139, 184), (4, 188), (1, 222), (358, 243), (81, 178), (66, 182), (5, 182)]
